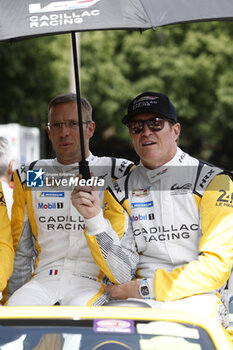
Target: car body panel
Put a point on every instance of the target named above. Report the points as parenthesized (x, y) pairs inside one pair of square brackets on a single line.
[(153, 325)]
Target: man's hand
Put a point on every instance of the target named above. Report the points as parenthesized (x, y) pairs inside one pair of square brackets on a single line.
[(125, 290), (86, 200)]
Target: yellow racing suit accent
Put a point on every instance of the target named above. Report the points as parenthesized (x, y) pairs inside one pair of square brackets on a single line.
[(173, 224), (48, 233), (6, 244)]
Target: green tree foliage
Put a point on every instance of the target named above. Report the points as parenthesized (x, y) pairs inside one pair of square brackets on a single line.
[(192, 63), (31, 73)]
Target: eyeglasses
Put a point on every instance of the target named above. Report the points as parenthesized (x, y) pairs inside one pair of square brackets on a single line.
[(69, 124), (154, 124)]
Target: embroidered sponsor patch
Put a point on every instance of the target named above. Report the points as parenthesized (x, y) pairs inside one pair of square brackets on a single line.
[(140, 217), (50, 205), (140, 192), (142, 205), (181, 189), (225, 199), (51, 194)]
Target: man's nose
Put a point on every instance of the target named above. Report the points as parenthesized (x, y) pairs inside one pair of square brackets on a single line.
[(146, 130), (64, 129)]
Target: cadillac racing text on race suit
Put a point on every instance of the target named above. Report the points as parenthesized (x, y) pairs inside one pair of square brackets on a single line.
[(48, 231), (173, 224)]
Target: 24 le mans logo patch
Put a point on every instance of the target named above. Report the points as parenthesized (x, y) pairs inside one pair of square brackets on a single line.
[(225, 199)]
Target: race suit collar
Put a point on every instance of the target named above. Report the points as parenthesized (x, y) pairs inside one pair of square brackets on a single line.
[(166, 169), (89, 159)]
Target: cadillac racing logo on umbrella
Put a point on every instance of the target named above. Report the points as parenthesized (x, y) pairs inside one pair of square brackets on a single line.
[(79, 12)]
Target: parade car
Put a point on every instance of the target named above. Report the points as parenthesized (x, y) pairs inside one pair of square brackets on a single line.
[(107, 327)]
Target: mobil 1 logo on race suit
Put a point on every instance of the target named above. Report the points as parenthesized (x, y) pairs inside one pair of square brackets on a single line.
[(55, 211)]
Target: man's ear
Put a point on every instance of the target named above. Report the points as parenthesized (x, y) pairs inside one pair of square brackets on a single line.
[(176, 130), (90, 129), (48, 132)]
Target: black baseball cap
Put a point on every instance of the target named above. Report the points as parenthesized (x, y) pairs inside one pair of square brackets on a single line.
[(151, 102)]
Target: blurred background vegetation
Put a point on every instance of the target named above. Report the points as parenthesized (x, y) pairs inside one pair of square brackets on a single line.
[(191, 63)]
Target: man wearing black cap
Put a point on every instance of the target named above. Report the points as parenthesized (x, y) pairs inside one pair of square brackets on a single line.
[(171, 218), (156, 143)]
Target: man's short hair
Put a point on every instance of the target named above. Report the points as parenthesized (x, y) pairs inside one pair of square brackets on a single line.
[(71, 97), (5, 155)]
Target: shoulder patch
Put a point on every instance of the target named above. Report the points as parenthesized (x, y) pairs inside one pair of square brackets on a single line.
[(22, 171), (206, 173), (119, 188), (120, 167)]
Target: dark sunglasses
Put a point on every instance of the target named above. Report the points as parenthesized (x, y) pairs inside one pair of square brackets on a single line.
[(154, 124)]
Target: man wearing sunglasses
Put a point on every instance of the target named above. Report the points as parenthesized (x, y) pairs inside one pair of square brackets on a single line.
[(168, 225)]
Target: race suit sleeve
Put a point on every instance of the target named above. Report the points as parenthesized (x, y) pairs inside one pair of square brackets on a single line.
[(6, 245), (22, 238), (113, 250), (113, 246), (212, 269)]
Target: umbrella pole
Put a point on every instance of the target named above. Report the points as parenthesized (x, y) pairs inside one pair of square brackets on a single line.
[(83, 164)]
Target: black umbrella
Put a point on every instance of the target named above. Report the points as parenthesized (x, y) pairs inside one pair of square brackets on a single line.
[(20, 19)]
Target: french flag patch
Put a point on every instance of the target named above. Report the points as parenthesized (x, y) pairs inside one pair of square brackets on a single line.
[(53, 272)]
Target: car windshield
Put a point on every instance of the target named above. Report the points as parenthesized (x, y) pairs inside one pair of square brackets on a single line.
[(102, 334)]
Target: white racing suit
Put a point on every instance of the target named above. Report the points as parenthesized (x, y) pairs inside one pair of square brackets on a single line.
[(48, 235), (174, 224)]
